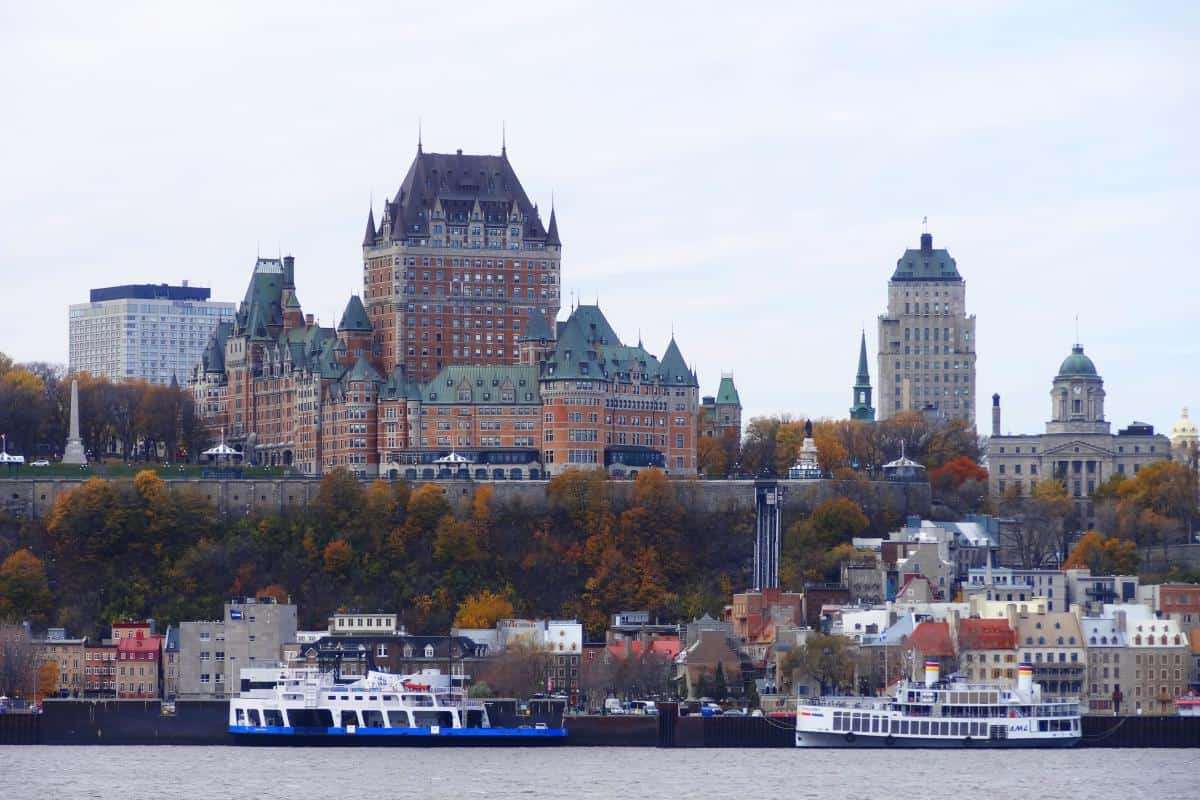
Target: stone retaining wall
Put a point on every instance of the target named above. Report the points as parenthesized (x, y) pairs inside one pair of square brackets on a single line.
[(35, 498)]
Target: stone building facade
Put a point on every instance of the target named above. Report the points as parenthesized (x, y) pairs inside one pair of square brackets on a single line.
[(212, 653), (69, 658), (926, 339), (1078, 447)]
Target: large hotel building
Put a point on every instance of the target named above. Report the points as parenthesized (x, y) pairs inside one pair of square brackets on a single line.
[(453, 361), (151, 332)]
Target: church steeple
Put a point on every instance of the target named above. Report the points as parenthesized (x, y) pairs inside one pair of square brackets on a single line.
[(862, 409)]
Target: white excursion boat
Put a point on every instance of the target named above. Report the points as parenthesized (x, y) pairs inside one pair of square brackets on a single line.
[(306, 706), (942, 714)]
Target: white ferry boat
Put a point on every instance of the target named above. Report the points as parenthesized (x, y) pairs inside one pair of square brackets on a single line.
[(306, 706), (942, 714)]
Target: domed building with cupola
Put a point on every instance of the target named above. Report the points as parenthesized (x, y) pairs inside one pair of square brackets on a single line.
[(1078, 446), (1185, 439)]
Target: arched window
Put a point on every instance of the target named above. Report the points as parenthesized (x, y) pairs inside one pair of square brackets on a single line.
[(429, 651)]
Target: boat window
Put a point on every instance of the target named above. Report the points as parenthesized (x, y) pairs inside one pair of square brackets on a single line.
[(372, 718), (895, 726), (399, 719), (426, 719), (241, 716), (924, 727), (373, 697), (273, 717), (349, 718), (255, 719)]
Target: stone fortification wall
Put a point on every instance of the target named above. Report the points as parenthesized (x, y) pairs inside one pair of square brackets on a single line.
[(36, 498)]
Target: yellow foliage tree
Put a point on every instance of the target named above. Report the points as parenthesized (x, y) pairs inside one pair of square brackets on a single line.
[(483, 610)]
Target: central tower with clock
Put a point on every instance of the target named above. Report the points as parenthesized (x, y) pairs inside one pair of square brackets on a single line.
[(1077, 397)]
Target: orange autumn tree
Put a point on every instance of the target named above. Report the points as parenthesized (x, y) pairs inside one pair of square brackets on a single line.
[(956, 472), (1103, 556), (483, 610)]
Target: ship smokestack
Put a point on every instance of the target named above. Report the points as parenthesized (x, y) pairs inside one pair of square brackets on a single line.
[(1025, 679), (933, 671)]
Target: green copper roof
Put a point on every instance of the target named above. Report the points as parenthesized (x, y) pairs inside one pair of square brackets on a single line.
[(354, 318), (1077, 364), (537, 329), (861, 394), (363, 371), (674, 368), (261, 308), (864, 376), (493, 385), (926, 264), (587, 347), (727, 393)]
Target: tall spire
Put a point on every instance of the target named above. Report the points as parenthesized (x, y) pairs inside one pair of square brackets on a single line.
[(864, 376), (552, 231), (369, 237), (862, 409), (419, 136), (503, 140)]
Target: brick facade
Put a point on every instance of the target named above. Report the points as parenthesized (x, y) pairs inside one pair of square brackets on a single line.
[(451, 364)]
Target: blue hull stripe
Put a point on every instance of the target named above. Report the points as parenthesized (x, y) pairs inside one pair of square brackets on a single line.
[(444, 733)]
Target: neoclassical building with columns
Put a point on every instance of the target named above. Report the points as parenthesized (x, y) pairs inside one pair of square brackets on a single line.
[(1078, 447)]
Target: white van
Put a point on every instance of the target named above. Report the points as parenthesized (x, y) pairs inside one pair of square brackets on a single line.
[(645, 707)]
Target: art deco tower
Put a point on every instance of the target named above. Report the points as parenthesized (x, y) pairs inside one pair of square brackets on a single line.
[(926, 339)]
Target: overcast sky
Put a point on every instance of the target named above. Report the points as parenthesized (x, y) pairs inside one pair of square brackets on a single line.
[(746, 173)]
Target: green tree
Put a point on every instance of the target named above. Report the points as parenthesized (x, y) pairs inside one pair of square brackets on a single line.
[(810, 546), (829, 660)]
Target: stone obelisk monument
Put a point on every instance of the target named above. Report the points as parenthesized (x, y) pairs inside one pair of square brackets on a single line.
[(74, 454)]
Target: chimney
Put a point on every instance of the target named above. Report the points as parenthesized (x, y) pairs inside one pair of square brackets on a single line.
[(996, 414), (289, 271), (926, 243)]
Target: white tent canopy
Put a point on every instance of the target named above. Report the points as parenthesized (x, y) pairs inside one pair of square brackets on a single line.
[(453, 458), (222, 450)]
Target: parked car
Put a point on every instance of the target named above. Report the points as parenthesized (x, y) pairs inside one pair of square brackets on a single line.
[(645, 707), (41, 462)]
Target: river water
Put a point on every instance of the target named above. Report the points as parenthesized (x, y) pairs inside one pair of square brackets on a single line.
[(165, 773)]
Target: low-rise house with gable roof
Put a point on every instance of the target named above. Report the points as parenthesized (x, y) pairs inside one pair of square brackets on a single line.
[(930, 641), (986, 650)]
